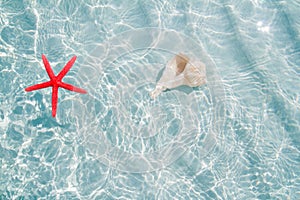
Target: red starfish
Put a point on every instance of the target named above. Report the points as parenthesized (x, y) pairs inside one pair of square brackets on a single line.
[(56, 82)]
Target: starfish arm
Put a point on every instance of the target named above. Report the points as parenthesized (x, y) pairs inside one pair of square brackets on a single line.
[(38, 86), (66, 68), (54, 100), (72, 88), (48, 67)]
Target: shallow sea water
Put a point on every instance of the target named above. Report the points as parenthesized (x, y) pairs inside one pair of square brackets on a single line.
[(237, 137)]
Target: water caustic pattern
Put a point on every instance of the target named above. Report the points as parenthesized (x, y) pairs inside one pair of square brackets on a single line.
[(135, 133), (236, 137)]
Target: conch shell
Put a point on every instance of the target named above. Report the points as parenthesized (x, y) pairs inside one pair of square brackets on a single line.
[(180, 71)]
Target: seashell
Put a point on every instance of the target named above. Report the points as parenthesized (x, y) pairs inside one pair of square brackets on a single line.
[(180, 70)]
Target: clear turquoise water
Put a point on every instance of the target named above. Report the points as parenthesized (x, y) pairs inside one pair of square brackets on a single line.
[(235, 138)]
